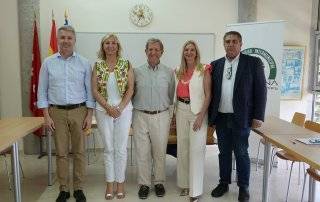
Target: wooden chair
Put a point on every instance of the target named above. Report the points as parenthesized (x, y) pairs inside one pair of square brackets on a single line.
[(211, 140), (4, 153), (311, 125), (286, 156), (172, 140), (313, 173), (92, 134), (298, 119)]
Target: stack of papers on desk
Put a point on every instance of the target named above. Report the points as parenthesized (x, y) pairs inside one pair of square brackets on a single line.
[(311, 140)]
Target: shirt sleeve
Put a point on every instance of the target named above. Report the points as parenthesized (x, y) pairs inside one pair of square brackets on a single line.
[(42, 93), (90, 102)]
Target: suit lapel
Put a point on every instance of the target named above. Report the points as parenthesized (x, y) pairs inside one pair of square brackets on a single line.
[(220, 70), (241, 67)]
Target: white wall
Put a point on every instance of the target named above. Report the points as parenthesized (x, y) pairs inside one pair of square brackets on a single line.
[(178, 16), (297, 13), (10, 80)]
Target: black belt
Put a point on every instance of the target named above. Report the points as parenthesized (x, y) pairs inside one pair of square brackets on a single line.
[(153, 112), (184, 100), (68, 107)]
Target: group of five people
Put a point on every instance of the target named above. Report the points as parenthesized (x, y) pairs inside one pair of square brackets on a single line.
[(229, 95)]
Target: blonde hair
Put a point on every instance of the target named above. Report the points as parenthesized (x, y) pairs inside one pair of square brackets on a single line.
[(183, 65), (101, 52)]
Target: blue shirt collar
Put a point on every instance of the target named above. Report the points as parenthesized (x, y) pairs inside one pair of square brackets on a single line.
[(58, 55)]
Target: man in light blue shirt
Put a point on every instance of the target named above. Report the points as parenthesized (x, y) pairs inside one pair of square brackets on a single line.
[(64, 94)]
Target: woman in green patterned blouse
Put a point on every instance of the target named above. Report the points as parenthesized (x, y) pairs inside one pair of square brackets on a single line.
[(112, 85)]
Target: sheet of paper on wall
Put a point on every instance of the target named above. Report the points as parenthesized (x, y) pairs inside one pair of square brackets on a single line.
[(310, 141)]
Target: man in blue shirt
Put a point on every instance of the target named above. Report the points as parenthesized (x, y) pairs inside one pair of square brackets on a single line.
[(64, 94)]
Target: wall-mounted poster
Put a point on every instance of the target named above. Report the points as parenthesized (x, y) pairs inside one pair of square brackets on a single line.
[(292, 72)]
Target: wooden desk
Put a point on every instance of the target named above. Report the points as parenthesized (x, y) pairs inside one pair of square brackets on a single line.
[(11, 130), (283, 134)]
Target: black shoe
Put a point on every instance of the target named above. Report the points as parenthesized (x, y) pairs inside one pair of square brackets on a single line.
[(159, 189), (244, 195), (220, 190), (79, 196), (63, 196), (143, 192)]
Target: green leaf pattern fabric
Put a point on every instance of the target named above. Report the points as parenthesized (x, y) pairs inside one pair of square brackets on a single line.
[(121, 73)]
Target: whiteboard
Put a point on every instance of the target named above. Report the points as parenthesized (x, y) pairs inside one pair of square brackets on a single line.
[(133, 46)]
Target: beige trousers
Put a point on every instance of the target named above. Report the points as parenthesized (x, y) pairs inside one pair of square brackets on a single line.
[(191, 149), (150, 134), (68, 124)]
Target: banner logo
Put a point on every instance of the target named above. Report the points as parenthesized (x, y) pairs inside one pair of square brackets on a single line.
[(268, 59)]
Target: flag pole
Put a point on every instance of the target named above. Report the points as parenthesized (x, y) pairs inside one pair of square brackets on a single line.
[(53, 46), (66, 17)]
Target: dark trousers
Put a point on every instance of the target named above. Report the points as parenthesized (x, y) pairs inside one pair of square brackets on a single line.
[(233, 138)]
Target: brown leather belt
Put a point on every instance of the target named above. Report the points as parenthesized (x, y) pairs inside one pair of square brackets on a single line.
[(68, 107), (184, 100), (153, 112)]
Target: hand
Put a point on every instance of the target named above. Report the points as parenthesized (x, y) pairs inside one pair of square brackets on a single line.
[(113, 112), (87, 123), (48, 123), (256, 123), (120, 108), (198, 122)]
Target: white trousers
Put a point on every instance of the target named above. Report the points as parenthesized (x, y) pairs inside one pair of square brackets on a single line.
[(191, 149), (150, 134), (114, 133)]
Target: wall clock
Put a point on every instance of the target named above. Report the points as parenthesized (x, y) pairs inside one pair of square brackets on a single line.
[(141, 15)]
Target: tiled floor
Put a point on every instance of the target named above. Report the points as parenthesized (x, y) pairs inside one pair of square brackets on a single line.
[(34, 185)]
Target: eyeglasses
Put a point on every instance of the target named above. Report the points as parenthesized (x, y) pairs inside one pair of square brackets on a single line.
[(229, 72)]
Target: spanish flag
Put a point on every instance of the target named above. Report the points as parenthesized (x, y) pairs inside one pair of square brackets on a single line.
[(53, 48)]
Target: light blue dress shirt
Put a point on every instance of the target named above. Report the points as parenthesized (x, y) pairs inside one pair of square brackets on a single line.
[(65, 81)]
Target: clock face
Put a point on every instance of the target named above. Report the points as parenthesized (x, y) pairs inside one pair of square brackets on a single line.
[(141, 15)]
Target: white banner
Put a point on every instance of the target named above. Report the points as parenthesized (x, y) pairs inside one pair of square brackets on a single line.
[(264, 40)]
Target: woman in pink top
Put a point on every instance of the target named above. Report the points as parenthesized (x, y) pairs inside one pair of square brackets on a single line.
[(193, 93)]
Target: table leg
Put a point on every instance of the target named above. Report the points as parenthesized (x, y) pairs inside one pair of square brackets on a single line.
[(311, 190), (16, 172), (131, 149), (49, 152), (266, 172)]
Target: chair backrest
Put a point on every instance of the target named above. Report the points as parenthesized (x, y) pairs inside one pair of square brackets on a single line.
[(172, 139), (6, 151), (312, 126), (298, 119)]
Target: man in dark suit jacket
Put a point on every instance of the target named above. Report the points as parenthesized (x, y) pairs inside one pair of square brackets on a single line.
[(238, 104)]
